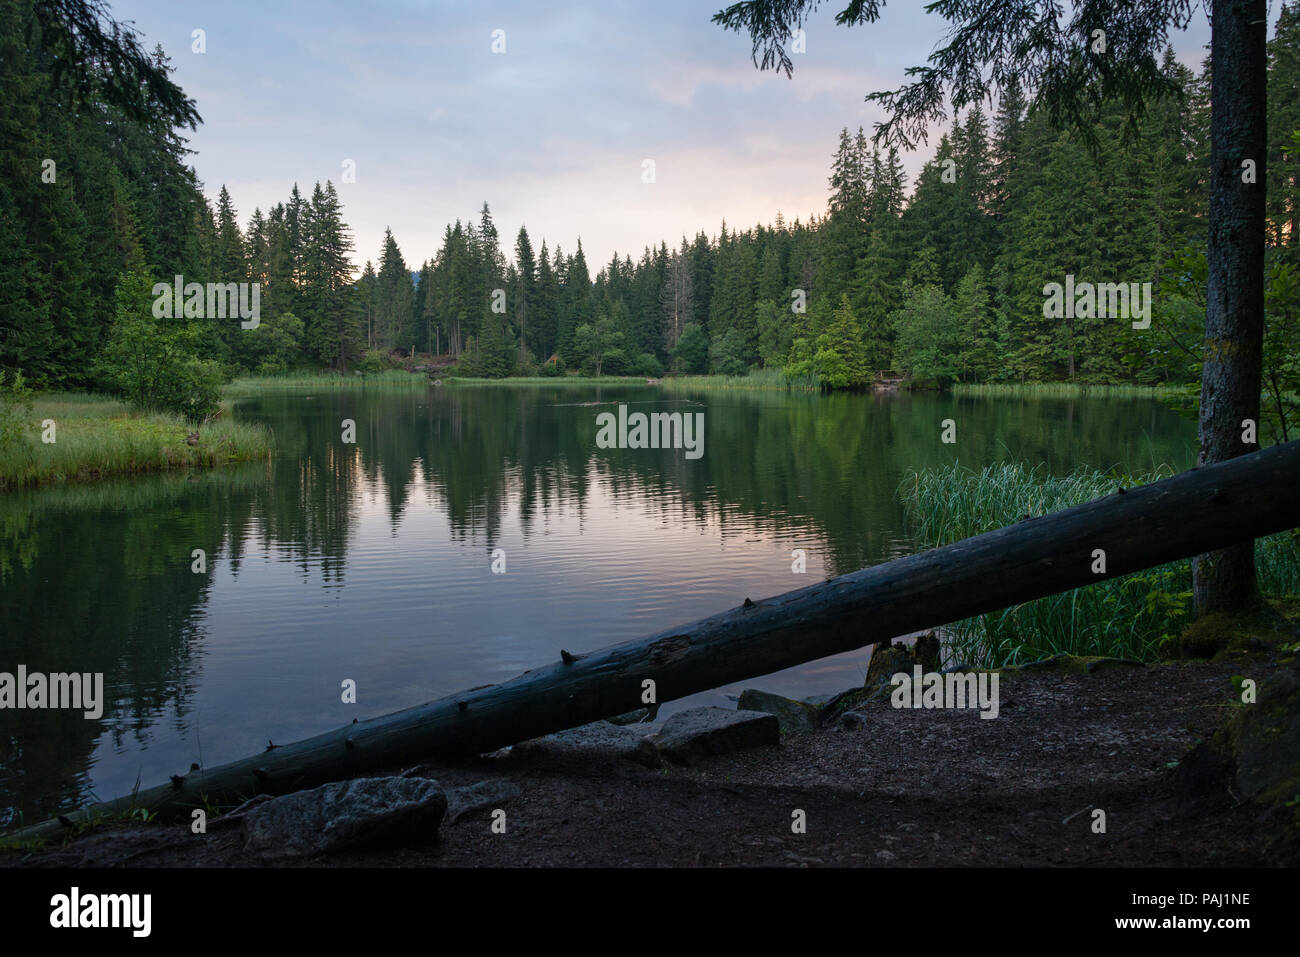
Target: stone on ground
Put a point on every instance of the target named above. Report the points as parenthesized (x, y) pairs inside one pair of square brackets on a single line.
[(600, 739), (794, 717), (344, 814), (483, 796), (688, 736)]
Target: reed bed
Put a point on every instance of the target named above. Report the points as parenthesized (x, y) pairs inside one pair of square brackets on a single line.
[(1133, 616), (1065, 390), (322, 382), (96, 436)]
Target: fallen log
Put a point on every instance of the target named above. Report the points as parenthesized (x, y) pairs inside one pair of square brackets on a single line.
[(1138, 528)]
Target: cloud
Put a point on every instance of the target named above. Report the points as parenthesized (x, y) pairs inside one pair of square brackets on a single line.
[(551, 133)]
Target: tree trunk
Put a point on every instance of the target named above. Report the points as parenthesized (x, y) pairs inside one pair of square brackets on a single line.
[(1137, 528), (1234, 317)]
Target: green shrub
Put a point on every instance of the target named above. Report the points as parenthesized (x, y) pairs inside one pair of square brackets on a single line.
[(374, 361), (614, 362), (154, 362), (647, 365), (15, 410), (727, 354), (691, 353)]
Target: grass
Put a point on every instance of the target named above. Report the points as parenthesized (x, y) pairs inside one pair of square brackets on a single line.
[(1065, 390), (1132, 616), (96, 437), (763, 379), (321, 382), (549, 380)]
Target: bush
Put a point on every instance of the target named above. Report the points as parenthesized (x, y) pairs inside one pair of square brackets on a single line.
[(647, 365), (374, 361), (15, 410), (528, 365), (153, 362), (727, 354), (198, 393), (614, 362), (275, 344), (691, 353), (552, 369)]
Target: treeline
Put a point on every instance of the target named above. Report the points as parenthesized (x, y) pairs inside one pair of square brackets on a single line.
[(941, 281)]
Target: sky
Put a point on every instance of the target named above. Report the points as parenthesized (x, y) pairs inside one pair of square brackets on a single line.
[(553, 132)]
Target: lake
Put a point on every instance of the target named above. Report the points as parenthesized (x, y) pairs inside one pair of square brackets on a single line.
[(374, 561)]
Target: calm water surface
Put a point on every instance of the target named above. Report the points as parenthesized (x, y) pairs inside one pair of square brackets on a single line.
[(374, 561)]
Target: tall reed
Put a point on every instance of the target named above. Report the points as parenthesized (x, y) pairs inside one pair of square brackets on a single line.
[(95, 436), (1131, 616)]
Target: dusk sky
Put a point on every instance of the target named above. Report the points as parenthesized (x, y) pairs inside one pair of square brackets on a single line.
[(552, 133)]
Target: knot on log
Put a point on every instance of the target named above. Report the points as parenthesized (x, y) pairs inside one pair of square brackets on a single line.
[(567, 658), (667, 650), (349, 743), (748, 604), (194, 766), (462, 706), (177, 781)]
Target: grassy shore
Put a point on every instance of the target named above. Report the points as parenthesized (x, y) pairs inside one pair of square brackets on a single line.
[(1133, 616), (324, 382), (1065, 390), (549, 380), (96, 437), (765, 380)]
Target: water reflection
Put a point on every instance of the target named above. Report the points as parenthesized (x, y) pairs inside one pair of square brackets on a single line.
[(373, 561)]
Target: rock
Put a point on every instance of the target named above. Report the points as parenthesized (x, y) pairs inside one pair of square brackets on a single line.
[(639, 716), (885, 663), (1266, 740), (1255, 756), (819, 700), (851, 720), (688, 736), (1097, 663), (344, 814), (600, 739), (478, 797), (239, 813), (794, 717), (1055, 661)]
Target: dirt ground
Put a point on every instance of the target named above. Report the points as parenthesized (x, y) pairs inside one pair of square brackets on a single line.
[(910, 788)]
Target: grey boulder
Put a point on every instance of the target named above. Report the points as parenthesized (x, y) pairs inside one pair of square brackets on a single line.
[(600, 739), (794, 717), (688, 736), (344, 814)]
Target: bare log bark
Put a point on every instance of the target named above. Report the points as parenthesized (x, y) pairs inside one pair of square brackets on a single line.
[(1138, 528)]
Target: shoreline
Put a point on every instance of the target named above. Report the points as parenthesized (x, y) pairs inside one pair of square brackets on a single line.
[(890, 787), (97, 438)]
